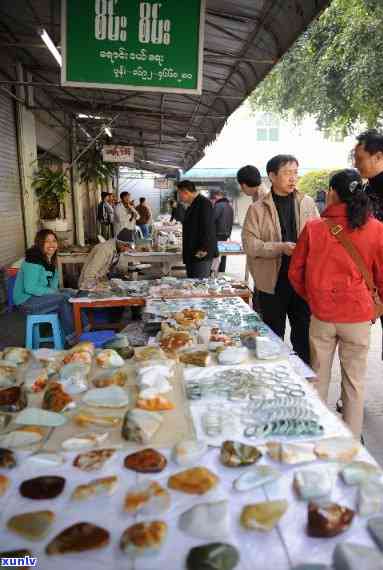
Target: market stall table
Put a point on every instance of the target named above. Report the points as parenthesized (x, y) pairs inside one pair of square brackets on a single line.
[(140, 299), (169, 259), (97, 303), (244, 293), (280, 549), (165, 258)]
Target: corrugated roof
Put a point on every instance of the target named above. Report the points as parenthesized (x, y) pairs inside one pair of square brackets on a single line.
[(243, 40)]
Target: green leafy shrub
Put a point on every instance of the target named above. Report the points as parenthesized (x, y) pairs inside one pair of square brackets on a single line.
[(314, 181)]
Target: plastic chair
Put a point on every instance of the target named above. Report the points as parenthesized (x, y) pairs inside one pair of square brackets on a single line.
[(98, 337), (33, 337)]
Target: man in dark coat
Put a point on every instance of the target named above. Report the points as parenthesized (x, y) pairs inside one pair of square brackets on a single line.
[(368, 158), (223, 218), (199, 241), (177, 211), (105, 215)]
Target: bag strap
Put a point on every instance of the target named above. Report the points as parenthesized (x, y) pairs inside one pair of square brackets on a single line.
[(337, 231)]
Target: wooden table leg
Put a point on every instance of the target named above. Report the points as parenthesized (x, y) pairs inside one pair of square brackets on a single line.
[(77, 319), (90, 318)]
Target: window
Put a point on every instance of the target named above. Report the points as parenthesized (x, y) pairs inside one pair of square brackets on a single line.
[(261, 134), (267, 128)]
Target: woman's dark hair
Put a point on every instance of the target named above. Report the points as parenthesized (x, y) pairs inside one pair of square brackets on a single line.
[(349, 187), (40, 239)]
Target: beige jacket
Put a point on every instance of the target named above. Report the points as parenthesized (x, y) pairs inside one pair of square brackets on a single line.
[(262, 192), (96, 268), (262, 237)]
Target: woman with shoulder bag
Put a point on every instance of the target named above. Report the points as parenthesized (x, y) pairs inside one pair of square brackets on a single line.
[(337, 267)]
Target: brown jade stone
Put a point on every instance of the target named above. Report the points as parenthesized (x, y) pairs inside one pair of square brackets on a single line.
[(194, 481), (12, 399), (143, 537), (4, 484), (55, 398), (146, 461), (328, 520), (16, 554), (40, 488), (7, 458), (77, 538)]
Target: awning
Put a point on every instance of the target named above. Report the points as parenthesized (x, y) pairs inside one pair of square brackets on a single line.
[(243, 41)]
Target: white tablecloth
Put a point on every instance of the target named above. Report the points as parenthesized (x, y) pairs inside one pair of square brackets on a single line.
[(287, 544)]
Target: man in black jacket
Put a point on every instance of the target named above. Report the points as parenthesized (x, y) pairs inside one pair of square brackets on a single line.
[(368, 156), (223, 218), (199, 241)]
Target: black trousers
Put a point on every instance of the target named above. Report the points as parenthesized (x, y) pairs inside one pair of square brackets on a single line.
[(286, 303), (198, 269), (222, 264)]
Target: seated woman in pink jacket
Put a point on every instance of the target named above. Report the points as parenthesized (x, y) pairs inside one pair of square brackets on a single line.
[(324, 274)]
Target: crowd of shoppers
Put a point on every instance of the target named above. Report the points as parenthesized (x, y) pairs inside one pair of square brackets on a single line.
[(114, 217), (322, 271)]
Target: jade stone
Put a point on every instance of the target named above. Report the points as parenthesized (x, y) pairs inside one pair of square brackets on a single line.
[(213, 556), (351, 556), (7, 458), (375, 528), (311, 566)]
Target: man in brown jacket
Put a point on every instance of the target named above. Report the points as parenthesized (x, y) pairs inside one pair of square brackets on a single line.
[(269, 234), (145, 217)]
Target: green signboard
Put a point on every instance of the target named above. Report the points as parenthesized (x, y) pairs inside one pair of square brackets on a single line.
[(128, 44)]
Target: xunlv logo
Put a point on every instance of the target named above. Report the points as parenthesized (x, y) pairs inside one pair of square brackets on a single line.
[(24, 561)]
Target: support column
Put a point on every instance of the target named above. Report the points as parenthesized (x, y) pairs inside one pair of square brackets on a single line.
[(76, 191), (27, 149)]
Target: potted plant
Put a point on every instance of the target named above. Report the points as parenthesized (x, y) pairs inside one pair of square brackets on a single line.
[(93, 169), (51, 186)]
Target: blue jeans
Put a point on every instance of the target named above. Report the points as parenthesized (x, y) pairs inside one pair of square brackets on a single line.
[(54, 303), (145, 230)]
